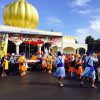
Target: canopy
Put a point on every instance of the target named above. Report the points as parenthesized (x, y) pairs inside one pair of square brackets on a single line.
[(34, 42)]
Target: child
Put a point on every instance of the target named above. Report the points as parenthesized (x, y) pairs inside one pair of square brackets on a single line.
[(22, 68), (44, 65)]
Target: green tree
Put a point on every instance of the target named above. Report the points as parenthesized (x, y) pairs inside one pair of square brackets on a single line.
[(93, 45), (81, 51), (90, 41)]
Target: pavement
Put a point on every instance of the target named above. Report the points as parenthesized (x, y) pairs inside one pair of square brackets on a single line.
[(43, 86)]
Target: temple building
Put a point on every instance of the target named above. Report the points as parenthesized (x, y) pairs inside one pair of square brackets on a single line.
[(19, 34)]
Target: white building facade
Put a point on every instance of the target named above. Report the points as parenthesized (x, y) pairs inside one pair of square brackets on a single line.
[(58, 42)]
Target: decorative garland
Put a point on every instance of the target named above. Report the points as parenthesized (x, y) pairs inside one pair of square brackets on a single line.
[(33, 40)]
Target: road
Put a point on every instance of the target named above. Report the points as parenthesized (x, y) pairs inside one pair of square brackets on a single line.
[(43, 86)]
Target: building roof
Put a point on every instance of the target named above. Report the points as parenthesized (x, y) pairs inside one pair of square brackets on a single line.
[(11, 29)]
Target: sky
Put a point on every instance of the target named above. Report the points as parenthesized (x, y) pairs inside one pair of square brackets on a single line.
[(78, 18)]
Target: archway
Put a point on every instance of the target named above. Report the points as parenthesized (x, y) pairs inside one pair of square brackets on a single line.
[(46, 46), (54, 49), (11, 47), (69, 50)]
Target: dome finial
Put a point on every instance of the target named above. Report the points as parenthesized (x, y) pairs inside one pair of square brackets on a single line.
[(21, 14)]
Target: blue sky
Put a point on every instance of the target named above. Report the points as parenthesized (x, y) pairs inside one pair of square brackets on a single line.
[(78, 18)]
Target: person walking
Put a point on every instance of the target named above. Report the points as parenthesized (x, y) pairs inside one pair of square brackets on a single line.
[(5, 66), (60, 71), (22, 64), (12, 64), (89, 71)]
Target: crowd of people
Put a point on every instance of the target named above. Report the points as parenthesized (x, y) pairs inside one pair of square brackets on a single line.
[(75, 65)]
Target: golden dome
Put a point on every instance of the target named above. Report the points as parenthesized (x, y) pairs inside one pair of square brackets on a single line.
[(21, 14)]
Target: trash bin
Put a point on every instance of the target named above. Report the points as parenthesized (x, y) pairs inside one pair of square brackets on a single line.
[(98, 69)]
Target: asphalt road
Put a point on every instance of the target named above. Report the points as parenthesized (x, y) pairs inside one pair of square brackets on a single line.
[(43, 86)]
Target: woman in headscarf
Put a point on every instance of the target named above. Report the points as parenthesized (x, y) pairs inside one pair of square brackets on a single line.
[(60, 71)]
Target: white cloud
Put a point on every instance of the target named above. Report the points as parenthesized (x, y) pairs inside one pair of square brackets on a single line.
[(79, 3), (82, 33), (89, 11), (95, 25), (92, 29), (54, 21), (82, 30), (1, 6)]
